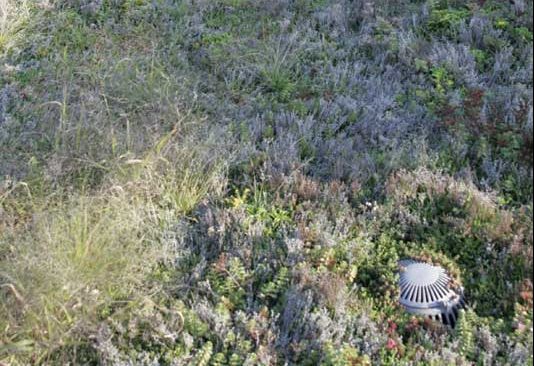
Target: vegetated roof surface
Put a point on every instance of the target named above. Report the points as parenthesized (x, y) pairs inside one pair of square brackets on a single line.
[(233, 182)]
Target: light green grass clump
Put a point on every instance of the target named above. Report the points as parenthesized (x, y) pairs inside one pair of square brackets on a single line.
[(71, 262), (76, 260), (13, 16)]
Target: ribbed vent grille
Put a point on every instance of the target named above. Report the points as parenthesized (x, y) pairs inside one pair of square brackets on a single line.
[(425, 290)]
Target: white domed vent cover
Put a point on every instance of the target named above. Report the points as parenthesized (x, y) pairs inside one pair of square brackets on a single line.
[(425, 290)]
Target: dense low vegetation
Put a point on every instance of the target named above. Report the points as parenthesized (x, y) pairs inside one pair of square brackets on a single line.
[(232, 182)]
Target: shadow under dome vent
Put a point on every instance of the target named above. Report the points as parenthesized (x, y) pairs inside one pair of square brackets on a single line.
[(426, 290)]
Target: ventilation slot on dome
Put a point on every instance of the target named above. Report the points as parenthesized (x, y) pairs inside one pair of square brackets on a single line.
[(425, 290)]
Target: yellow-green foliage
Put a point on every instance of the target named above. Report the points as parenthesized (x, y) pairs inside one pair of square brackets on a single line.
[(273, 288), (464, 332), (228, 278), (344, 355), (219, 359), (204, 355), (445, 21), (261, 210)]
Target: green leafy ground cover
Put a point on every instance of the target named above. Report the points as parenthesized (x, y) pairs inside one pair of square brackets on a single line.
[(232, 182)]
